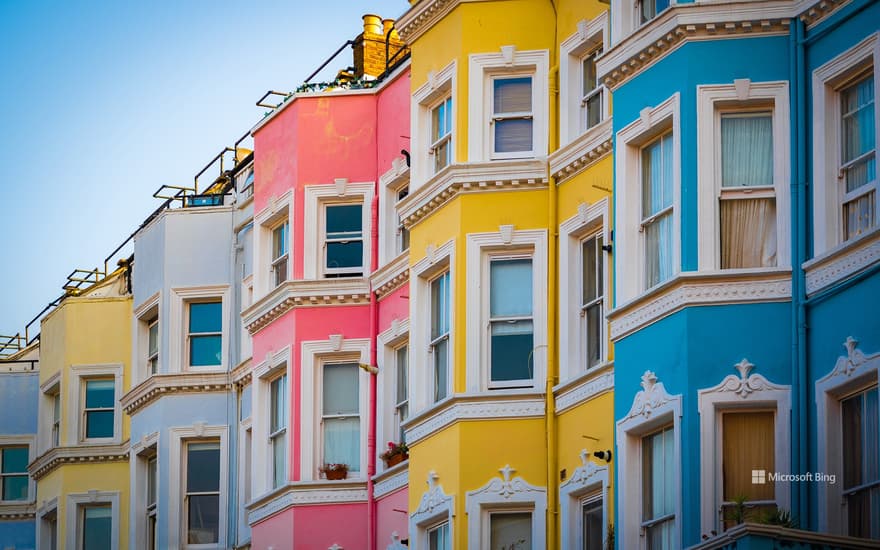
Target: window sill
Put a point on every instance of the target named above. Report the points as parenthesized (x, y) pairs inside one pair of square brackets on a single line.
[(843, 261)]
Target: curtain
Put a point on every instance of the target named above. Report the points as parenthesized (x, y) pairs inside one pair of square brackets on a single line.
[(748, 233), (342, 442), (511, 531), (658, 494), (341, 415), (657, 196), (746, 150), (859, 215), (857, 109), (748, 443)]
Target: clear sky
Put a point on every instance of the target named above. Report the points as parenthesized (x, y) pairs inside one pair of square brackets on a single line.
[(102, 102)]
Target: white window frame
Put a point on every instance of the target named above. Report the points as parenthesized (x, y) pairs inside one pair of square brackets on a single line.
[(827, 187), (149, 310), (589, 221), (275, 364), (284, 259), (505, 494), (74, 408), (44, 534), (179, 437), (178, 325), (315, 354), (629, 239), (587, 482), (30, 443), (278, 210), (317, 197), (390, 340), (741, 96), (76, 502), (588, 37), (48, 392), (509, 62), (481, 248), (436, 261), (435, 508), (652, 409), (282, 432), (391, 183), (498, 116), (748, 392), (445, 138), (438, 86), (854, 372), (141, 452)]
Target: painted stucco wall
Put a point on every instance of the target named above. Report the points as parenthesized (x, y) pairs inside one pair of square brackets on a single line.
[(392, 517), (18, 535), (18, 407)]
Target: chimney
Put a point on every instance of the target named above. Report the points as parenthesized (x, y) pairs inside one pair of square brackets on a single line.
[(369, 47)]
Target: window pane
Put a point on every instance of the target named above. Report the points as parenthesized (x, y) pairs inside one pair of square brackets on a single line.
[(344, 219), (748, 233), (438, 538), (14, 460), (97, 528), (594, 110), (205, 317), (859, 215), (341, 389), (657, 475), (441, 369), (441, 120), (279, 400), (99, 394), (513, 135), (345, 254), (205, 350), (748, 443), (513, 530), (589, 74), (590, 269), (203, 467), (442, 156), (280, 241), (152, 486), (512, 350), (279, 463), (513, 95), (153, 344), (203, 519), (440, 306), (746, 150), (594, 334), (15, 488), (857, 110), (593, 523), (657, 176), (658, 250), (510, 284), (342, 442), (99, 424), (402, 368)]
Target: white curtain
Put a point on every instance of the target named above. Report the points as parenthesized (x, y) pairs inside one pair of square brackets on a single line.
[(746, 150), (342, 442), (656, 197), (748, 233), (341, 415)]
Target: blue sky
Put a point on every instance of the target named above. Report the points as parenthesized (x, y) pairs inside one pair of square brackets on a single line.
[(102, 102)]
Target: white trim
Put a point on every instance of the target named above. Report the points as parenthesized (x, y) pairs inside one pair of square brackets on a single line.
[(305, 494), (139, 454), (45, 509), (652, 408), (480, 248), (264, 373), (178, 438), (842, 261), (589, 36), (628, 239), (587, 479), (435, 507), (853, 372), (397, 477), (73, 514), (314, 354), (73, 406), (46, 414), (827, 218), (439, 85), (316, 199), (390, 184), (277, 211), (150, 309), (589, 220), (481, 67), (585, 387), (17, 441), (437, 260), (389, 341), (741, 93), (178, 331), (744, 392), (504, 493)]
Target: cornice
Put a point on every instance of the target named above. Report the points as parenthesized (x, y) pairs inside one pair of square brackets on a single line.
[(391, 276), (589, 148), (18, 511), (391, 479), (842, 262), (311, 293), (160, 385), (421, 17), (305, 493), (583, 388), (820, 10), (473, 177), (473, 407), (242, 374), (686, 22), (696, 289), (91, 454)]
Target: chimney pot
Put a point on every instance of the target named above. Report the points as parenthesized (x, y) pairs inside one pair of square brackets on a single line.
[(387, 25), (372, 24)]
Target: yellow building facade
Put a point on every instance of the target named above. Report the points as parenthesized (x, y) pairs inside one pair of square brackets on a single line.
[(511, 424), (82, 469)]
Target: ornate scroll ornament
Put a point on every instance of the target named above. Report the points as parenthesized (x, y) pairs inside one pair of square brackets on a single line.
[(854, 359), (433, 497), (652, 396), (588, 473), (745, 384), (507, 488)]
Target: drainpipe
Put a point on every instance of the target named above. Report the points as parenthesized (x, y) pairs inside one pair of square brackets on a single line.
[(374, 333), (799, 428)]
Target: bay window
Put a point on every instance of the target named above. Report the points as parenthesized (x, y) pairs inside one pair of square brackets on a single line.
[(13, 473), (510, 322), (280, 252), (858, 157), (512, 116), (278, 429), (99, 410), (441, 134), (343, 240), (439, 340), (657, 209), (205, 335), (861, 462), (658, 494), (340, 417), (202, 492)]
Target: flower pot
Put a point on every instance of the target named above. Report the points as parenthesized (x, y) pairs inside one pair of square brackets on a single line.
[(395, 459), (336, 474)]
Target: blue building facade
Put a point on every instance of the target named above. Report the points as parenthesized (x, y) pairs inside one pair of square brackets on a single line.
[(20, 387), (746, 247)]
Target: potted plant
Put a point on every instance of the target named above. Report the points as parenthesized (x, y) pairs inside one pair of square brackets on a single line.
[(335, 471), (395, 454)]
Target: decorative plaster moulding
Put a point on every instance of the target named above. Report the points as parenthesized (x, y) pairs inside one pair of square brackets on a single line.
[(18, 511), (503, 492), (391, 276), (653, 395), (422, 16), (160, 385), (91, 454), (820, 10), (307, 293), (590, 386), (496, 175), (842, 262), (682, 23), (586, 150), (306, 494), (469, 407), (391, 481), (698, 289)]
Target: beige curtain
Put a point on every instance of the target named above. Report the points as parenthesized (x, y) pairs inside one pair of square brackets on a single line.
[(748, 444), (748, 233)]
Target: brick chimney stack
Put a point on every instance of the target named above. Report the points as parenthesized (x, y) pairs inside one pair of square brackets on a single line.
[(369, 47)]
